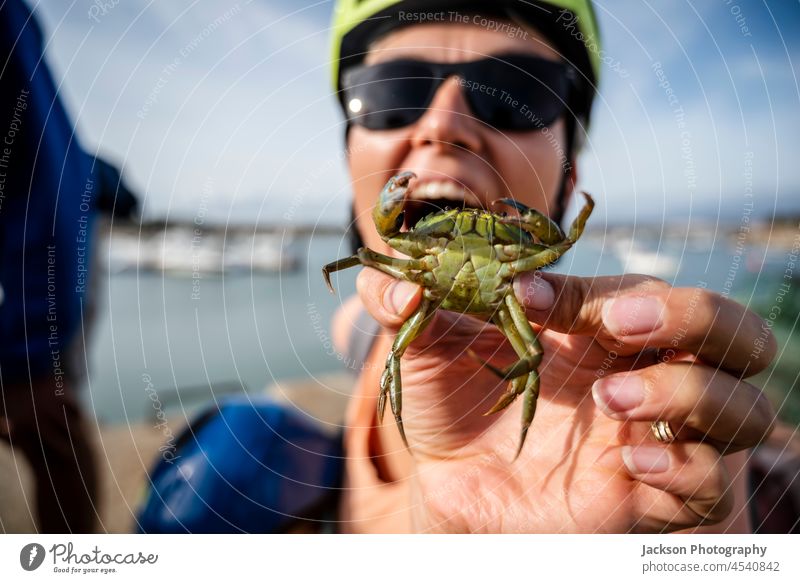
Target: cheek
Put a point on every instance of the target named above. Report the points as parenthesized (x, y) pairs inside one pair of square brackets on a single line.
[(375, 153), (534, 166), (373, 158)]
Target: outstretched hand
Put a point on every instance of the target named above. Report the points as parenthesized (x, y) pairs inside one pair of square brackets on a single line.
[(619, 353)]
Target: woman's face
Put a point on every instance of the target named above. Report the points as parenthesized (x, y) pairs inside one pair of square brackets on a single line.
[(456, 157)]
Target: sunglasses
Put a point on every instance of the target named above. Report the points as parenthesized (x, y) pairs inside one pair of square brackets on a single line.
[(508, 92)]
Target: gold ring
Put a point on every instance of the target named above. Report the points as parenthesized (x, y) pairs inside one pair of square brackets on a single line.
[(662, 431)]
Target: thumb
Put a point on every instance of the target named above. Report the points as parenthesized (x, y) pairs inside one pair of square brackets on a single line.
[(388, 300)]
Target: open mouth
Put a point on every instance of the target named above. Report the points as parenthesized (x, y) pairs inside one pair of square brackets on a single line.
[(433, 196)]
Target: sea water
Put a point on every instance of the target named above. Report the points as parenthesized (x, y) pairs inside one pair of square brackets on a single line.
[(179, 340)]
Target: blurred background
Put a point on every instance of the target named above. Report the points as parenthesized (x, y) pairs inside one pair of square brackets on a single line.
[(219, 128)]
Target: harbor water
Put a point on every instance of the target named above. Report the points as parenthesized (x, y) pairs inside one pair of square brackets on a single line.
[(177, 341)]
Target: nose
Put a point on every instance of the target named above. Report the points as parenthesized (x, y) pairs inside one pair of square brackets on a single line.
[(449, 121)]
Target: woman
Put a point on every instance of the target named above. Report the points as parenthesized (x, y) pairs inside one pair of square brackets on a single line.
[(505, 119)]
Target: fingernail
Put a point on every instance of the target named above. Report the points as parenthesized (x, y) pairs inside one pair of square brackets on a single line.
[(645, 459), (630, 315), (618, 393), (535, 292), (397, 297)]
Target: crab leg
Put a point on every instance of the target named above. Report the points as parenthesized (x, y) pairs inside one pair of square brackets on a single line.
[(397, 268), (537, 261), (551, 254), (531, 394), (526, 346), (576, 230), (514, 252), (412, 245), (338, 265), (517, 385), (390, 380), (514, 324), (545, 229)]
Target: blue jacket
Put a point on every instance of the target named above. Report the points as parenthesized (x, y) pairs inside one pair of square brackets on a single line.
[(46, 207)]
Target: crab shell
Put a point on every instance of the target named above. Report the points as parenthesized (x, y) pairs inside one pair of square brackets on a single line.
[(465, 260)]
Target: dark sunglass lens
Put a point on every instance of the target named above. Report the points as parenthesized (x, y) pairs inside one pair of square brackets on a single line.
[(388, 95), (527, 92)]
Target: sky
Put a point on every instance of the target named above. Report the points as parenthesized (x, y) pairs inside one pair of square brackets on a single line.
[(224, 109)]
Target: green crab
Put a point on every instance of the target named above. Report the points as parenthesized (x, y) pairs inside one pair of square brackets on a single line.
[(465, 260)]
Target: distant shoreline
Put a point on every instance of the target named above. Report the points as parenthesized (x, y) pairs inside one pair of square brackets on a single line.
[(153, 226), (780, 234)]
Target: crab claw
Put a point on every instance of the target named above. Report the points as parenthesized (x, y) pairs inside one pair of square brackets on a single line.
[(546, 230), (576, 230), (388, 212)]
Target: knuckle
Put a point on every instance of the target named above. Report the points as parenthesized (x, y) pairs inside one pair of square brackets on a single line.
[(707, 417), (755, 325), (655, 380), (762, 343), (579, 292), (645, 284), (713, 501), (713, 511), (702, 310), (575, 304), (677, 388), (709, 304), (655, 284), (580, 301), (766, 412), (772, 342)]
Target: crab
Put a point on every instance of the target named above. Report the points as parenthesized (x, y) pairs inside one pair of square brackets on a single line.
[(465, 259)]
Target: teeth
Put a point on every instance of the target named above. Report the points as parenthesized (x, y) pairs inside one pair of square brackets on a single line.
[(446, 190)]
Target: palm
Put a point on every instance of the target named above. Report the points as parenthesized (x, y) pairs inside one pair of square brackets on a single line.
[(466, 474)]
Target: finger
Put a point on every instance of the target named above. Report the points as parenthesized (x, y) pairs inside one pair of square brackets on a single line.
[(697, 401), (574, 305), (631, 312), (390, 301), (694, 477)]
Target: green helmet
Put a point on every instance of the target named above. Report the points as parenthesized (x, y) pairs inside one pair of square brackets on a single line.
[(569, 24)]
